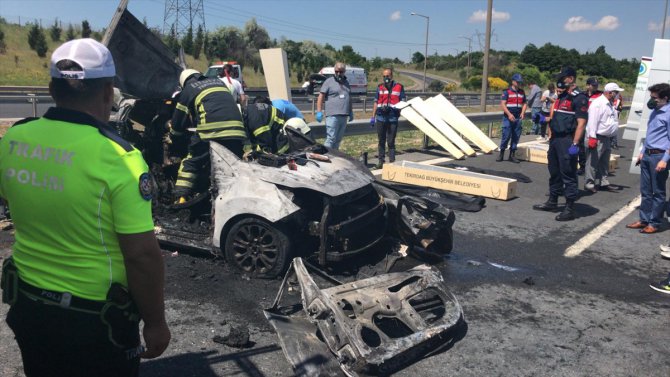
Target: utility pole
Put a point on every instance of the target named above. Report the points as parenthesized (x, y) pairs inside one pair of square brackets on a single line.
[(665, 20), (469, 39), (485, 74), (183, 14)]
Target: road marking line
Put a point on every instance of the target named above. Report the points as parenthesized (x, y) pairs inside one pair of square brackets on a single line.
[(591, 237)]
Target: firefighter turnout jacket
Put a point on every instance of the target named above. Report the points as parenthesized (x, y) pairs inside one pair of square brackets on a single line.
[(206, 103), (569, 107), (264, 123)]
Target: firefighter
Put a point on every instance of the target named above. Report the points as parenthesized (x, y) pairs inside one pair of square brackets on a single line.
[(568, 119), (206, 104), (264, 123)]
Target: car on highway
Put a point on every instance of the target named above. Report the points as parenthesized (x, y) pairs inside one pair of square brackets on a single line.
[(262, 211)]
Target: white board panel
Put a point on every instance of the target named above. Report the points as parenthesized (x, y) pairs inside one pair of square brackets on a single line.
[(659, 72), (419, 122), (436, 120), (456, 119), (275, 67), (637, 106)]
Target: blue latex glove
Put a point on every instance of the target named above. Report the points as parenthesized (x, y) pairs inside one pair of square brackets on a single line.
[(319, 116), (573, 150), (351, 117), (372, 122)]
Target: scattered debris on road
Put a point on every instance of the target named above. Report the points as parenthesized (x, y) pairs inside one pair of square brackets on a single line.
[(375, 325)]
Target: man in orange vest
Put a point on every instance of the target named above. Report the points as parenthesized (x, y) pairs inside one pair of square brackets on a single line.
[(513, 104), (385, 118)]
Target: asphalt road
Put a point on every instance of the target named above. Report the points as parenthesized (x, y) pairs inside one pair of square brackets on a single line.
[(530, 311)]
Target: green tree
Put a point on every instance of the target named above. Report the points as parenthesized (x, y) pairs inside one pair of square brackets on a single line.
[(347, 55), (70, 34), (198, 42), (55, 31), (436, 86), (3, 44), (226, 43), (376, 63), (205, 46), (37, 40), (85, 29), (417, 57), (256, 38), (187, 42), (171, 41)]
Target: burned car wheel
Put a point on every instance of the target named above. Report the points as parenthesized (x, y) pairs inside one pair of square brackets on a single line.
[(258, 247)]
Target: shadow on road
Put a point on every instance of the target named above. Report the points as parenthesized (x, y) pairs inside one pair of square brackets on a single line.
[(200, 364)]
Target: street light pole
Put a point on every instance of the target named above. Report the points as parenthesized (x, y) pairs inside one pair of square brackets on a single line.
[(425, 57), (665, 19), (425, 61)]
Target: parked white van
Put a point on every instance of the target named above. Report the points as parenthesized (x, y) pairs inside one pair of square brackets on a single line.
[(358, 79), (215, 71)]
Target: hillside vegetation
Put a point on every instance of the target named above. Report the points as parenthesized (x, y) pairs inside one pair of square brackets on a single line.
[(21, 65)]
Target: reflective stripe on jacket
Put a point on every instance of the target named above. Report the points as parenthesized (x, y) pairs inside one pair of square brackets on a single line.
[(206, 103)]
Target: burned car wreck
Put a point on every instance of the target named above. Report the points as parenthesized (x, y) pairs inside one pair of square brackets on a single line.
[(371, 326), (316, 203)]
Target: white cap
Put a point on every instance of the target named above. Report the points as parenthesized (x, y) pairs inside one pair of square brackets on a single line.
[(613, 87), (93, 57)]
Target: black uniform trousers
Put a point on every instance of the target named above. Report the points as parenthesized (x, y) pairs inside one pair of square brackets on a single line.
[(386, 133), (63, 342), (562, 168)]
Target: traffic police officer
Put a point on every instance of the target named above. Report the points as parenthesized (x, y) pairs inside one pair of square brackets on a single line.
[(568, 119), (86, 265), (389, 93), (207, 104), (513, 104)]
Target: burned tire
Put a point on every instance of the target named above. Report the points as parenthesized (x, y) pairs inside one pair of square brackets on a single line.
[(258, 247)]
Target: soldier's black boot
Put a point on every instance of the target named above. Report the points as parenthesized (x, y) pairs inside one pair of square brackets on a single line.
[(502, 156), (550, 205), (512, 158), (568, 212)]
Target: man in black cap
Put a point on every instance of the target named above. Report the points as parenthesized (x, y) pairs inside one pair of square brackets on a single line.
[(592, 92), (568, 119)]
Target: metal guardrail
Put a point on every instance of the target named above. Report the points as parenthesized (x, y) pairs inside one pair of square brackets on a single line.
[(362, 127)]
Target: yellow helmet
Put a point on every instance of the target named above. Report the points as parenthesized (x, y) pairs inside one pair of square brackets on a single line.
[(185, 74)]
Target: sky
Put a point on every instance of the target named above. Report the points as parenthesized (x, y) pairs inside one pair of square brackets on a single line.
[(627, 28)]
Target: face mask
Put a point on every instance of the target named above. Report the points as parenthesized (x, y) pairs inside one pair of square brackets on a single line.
[(651, 104), (387, 80), (561, 85), (339, 77)]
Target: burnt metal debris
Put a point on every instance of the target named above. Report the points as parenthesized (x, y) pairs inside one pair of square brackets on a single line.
[(371, 326)]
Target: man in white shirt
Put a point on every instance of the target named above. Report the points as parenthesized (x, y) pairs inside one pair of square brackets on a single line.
[(233, 85), (603, 123)]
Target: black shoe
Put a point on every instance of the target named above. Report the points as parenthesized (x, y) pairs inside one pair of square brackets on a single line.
[(501, 156), (662, 286), (512, 158), (568, 212), (379, 165), (549, 205)]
